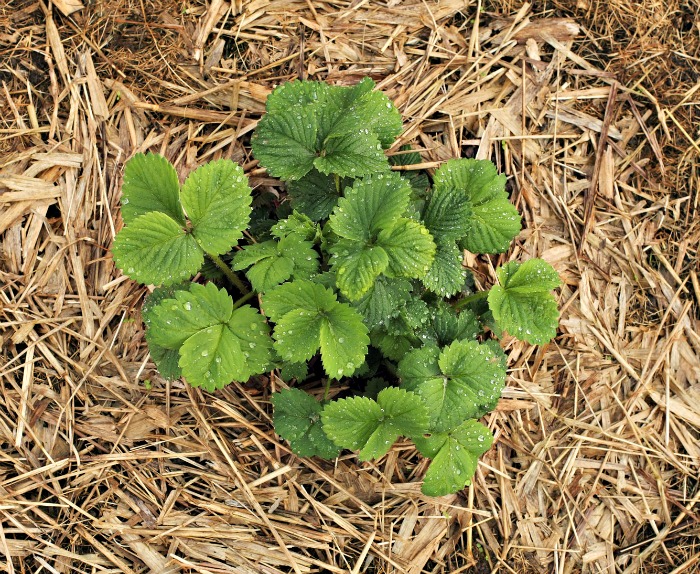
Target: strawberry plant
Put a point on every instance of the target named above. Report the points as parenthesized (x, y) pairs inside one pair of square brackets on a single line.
[(353, 285)]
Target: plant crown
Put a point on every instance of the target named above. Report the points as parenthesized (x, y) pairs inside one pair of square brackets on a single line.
[(364, 272)]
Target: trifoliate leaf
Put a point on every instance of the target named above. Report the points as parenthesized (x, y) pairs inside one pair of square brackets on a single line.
[(383, 301), (447, 326), (353, 155), (410, 248), (446, 275), (155, 249), (217, 199), (494, 221), (297, 419), (357, 266), (216, 343), (316, 194), (369, 206), (309, 316), (273, 262), (344, 341), (285, 142), (373, 426), (469, 381), (522, 304), (150, 184), (455, 457), (297, 223), (447, 214)]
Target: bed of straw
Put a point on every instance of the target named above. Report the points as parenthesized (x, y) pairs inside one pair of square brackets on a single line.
[(590, 108)]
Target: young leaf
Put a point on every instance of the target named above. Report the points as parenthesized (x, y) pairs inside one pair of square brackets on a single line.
[(155, 249), (522, 304), (494, 221), (357, 266), (217, 200), (216, 343), (297, 418), (308, 316), (297, 223), (410, 248), (369, 206), (373, 426), (464, 382), (455, 457), (150, 184)]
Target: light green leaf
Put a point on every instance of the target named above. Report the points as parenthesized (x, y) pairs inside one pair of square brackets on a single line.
[(369, 206), (419, 366), (297, 418), (494, 221), (270, 268), (155, 249), (298, 294), (344, 341), (298, 93), (297, 223), (285, 142), (446, 275), (373, 426), (455, 457), (410, 248), (522, 304), (253, 334), (469, 382), (357, 266), (298, 335), (150, 184), (217, 199)]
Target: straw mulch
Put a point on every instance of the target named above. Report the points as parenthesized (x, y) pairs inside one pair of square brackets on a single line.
[(590, 108)]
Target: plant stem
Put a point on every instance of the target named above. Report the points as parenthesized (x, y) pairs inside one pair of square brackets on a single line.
[(475, 298), (327, 390), (243, 299), (337, 182), (230, 275)]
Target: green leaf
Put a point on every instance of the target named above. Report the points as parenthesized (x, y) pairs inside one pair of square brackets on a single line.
[(417, 178), (447, 326), (383, 301), (410, 248), (297, 419), (285, 142), (455, 457), (298, 93), (294, 371), (467, 382), (494, 221), (353, 155), (217, 200), (357, 266), (522, 304), (166, 361), (373, 426), (315, 194), (369, 206), (305, 295), (297, 223), (150, 184), (447, 214), (446, 275), (155, 249), (216, 343), (393, 347), (308, 316), (344, 341)]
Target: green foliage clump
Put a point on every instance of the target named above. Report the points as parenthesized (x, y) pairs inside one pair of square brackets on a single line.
[(362, 282)]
